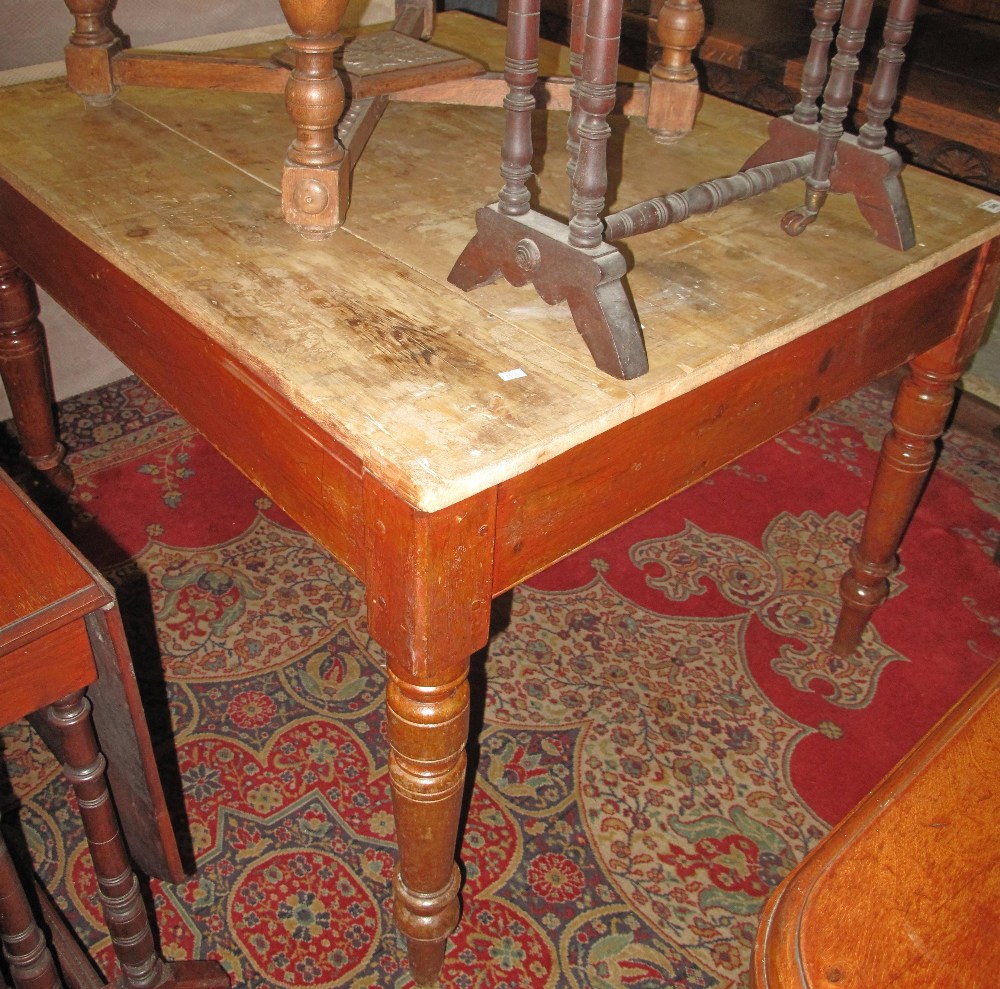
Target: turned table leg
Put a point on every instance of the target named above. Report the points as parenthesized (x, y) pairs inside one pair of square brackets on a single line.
[(24, 948), (919, 415), (918, 418), (24, 368), (315, 183), (428, 583)]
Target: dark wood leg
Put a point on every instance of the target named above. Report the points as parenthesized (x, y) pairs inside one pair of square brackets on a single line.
[(429, 579), (919, 415), (118, 887), (24, 368), (91, 51), (28, 957)]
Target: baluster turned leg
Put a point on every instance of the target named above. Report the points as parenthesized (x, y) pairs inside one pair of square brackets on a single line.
[(315, 183), (24, 368), (836, 101), (673, 80), (117, 884), (28, 958), (882, 94), (596, 90), (91, 51), (428, 583)]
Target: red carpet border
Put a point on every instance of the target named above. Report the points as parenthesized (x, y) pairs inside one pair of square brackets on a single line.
[(661, 732)]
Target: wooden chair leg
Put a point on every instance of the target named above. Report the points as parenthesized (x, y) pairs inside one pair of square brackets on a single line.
[(91, 51), (28, 957), (674, 93), (24, 368), (919, 415), (315, 183), (118, 886)]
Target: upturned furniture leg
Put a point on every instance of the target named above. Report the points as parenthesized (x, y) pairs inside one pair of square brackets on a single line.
[(24, 368), (315, 182), (91, 51), (428, 583), (673, 81), (29, 960), (118, 887)]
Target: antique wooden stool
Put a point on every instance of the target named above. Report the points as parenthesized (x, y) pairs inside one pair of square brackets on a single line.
[(60, 633), (905, 892)]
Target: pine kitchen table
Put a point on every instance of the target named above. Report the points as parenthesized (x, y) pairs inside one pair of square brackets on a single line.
[(444, 446)]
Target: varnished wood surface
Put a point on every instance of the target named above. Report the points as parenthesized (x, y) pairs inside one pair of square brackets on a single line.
[(361, 334), (905, 891), (49, 587)]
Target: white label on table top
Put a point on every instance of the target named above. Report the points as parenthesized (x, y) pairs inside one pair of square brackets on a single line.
[(512, 375), (991, 206)]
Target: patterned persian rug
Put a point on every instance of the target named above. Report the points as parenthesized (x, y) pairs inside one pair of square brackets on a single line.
[(660, 730)]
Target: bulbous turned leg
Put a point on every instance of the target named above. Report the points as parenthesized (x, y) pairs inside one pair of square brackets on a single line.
[(315, 183), (24, 368), (24, 949), (673, 91), (91, 51), (919, 415), (428, 727)]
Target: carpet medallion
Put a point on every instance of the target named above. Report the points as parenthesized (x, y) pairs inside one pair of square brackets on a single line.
[(660, 731)]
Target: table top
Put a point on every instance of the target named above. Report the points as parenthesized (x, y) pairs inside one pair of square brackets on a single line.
[(362, 332)]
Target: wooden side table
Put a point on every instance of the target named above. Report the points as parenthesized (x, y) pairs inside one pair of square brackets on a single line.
[(60, 632), (905, 891)]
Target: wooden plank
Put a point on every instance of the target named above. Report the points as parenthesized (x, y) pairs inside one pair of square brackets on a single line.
[(240, 75)]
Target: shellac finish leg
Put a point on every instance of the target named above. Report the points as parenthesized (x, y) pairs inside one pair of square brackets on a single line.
[(428, 582), (91, 51), (919, 415), (24, 368), (315, 183), (24, 948), (674, 93), (118, 887)]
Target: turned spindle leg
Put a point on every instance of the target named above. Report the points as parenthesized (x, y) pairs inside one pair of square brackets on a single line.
[(596, 89), (91, 51), (428, 728), (520, 73), (882, 94), (117, 884), (315, 183), (118, 887), (673, 80), (24, 948), (817, 64), (577, 39), (836, 102), (24, 368), (923, 403)]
